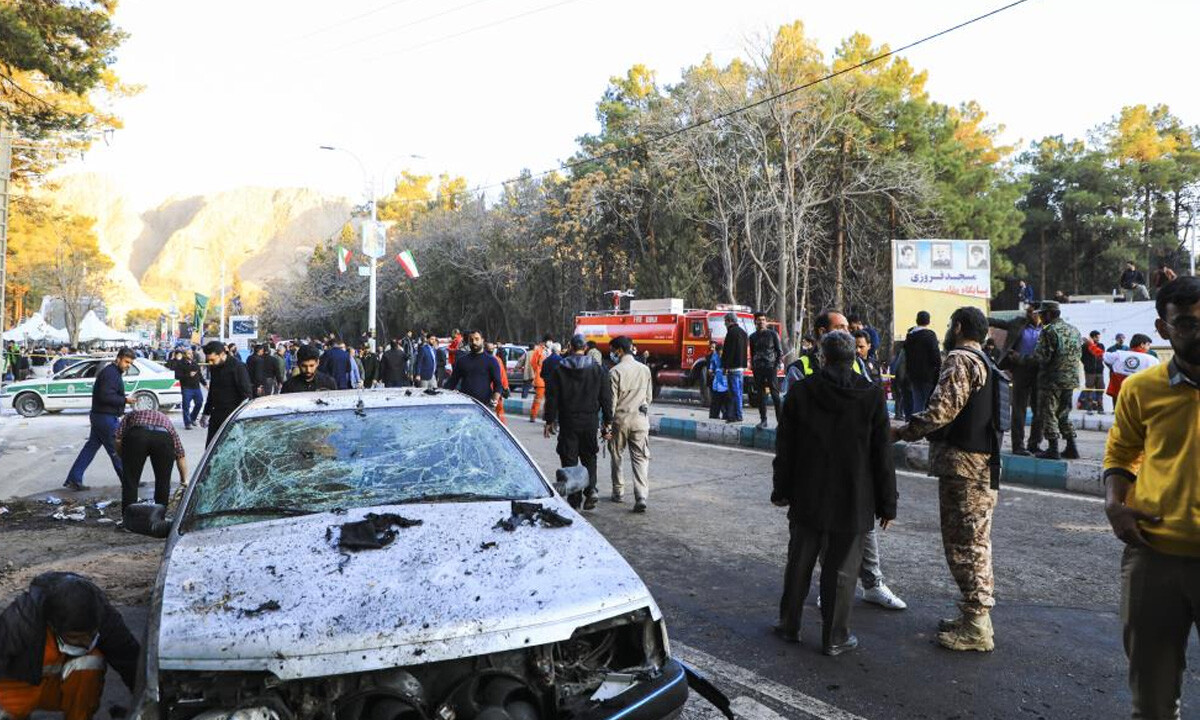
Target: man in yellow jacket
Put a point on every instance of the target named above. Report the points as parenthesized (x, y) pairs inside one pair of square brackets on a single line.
[(632, 392), (1152, 474)]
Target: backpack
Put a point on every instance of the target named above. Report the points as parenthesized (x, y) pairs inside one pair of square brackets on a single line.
[(1001, 393)]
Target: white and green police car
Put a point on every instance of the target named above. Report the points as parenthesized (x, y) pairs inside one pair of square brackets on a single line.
[(150, 384)]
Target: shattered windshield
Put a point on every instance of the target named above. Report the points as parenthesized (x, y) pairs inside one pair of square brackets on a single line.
[(318, 461)]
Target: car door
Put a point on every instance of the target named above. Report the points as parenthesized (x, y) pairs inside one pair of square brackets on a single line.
[(132, 379), (72, 388)]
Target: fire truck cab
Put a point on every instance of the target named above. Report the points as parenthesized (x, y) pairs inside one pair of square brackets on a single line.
[(676, 338)]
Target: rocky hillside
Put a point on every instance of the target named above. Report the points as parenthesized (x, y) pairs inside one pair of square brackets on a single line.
[(165, 254)]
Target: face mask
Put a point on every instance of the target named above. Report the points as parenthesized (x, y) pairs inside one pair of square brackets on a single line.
[(75, 650)]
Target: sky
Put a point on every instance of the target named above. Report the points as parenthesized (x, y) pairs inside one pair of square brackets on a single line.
[(243, 93)]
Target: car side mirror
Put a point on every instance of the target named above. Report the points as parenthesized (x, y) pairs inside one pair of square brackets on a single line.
[(571, 480), (147, 519)]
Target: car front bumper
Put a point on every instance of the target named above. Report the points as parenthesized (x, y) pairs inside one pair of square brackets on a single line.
[(664, 697)]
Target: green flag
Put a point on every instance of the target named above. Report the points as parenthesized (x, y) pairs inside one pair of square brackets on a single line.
[(198, 314)]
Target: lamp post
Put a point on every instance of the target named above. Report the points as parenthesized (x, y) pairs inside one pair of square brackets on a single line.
[(370, 183)]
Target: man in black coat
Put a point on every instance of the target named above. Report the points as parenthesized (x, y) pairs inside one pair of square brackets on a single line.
[(733, 363), (833, 471), (923, 361), (393, 369), (228, 387), (308, 378), (56, 640), (577, 394), (1020, 338)]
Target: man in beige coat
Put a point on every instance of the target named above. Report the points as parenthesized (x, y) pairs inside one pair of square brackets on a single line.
[(632, 392)]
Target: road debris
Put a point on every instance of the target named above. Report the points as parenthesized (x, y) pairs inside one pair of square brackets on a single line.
[(74, 514)]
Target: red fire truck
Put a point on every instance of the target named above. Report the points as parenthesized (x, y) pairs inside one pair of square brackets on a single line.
[(677, 338)]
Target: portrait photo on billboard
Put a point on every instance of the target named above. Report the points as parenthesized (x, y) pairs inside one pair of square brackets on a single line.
[(906, 256), (977, 256), (941, 255)]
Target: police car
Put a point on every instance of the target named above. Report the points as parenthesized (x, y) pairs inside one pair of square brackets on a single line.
[(152, 386)]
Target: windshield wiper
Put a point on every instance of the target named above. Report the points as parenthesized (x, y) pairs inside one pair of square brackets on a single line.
[(259, 510), (446, 497)]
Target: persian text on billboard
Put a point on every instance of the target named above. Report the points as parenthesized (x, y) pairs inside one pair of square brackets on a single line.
[(959, 267)]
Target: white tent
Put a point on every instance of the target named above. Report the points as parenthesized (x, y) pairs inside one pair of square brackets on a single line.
[(36, 328), (93, 329)]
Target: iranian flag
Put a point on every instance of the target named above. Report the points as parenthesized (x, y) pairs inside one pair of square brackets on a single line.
[(343, 256), (410, 266)]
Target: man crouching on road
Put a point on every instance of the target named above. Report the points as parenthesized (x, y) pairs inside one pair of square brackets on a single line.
[(56, 639), (833, 471), (962, 425)]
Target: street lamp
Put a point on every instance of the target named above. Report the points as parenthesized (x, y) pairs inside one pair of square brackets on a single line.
[(370, 182)]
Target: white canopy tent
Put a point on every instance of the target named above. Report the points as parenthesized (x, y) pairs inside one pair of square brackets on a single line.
[(93, 329), (35, 328)]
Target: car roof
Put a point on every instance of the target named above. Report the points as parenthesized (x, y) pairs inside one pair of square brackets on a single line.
[(329, 400)]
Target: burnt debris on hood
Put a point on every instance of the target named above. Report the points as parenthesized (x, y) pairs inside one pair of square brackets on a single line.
[(528, 513), (375, 532)]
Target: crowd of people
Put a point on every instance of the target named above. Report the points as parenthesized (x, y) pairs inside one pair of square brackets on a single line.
[(832, 470)]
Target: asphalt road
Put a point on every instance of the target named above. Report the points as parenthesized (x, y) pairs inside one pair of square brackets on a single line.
[(711, 549)]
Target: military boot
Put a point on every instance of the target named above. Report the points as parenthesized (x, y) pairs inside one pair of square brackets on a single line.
[(1051, 451), (950, 624), (973, 633), (1070, 452)]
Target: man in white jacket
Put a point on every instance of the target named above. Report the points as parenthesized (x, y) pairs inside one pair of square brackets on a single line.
[(632, 392)]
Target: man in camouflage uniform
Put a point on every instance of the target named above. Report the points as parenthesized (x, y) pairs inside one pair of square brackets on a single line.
[(1059, 365), (965, 493)]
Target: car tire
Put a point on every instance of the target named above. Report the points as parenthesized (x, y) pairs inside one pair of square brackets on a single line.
[(145, 401), (28, 405)]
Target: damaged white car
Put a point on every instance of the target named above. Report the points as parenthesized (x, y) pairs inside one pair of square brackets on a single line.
[(393, 555)]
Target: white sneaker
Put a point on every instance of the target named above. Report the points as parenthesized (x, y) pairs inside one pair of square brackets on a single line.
[(883, 596)]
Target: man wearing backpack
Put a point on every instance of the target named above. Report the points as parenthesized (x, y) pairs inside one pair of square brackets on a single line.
[(962, 422)]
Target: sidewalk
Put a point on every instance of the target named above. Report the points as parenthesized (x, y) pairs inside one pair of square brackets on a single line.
[(691, 422)]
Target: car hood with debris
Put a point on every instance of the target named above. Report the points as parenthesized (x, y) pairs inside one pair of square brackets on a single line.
[(280, 596)]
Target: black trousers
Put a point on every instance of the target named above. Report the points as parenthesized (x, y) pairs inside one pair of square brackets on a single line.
[(579, 446), (215, 421), (839, 574), (1024, 397), (766, 380), (138, 445)]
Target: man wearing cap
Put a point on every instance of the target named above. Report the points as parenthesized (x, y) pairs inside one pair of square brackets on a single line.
[(56, 641), (577, 394), (1058, 355)]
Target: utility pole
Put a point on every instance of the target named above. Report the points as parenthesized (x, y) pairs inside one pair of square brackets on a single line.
[(5, 181), (374, 271), (221, 332)]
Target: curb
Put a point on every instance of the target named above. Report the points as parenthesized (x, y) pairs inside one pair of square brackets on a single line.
[(1080, 476)]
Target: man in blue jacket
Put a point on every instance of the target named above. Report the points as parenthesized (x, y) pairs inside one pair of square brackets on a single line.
[(108, 404), (427, 363), (336, 364)]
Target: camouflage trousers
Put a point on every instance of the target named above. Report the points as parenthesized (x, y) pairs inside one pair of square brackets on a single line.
[(1055, 413), (966, 506)]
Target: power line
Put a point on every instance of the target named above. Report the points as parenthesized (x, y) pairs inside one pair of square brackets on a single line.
[(742, 108), (477, 28), (412, 23), (354, 18)]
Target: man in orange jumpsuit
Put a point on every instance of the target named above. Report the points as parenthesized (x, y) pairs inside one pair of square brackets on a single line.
[(536, 357), (491, 350), (56, 641)]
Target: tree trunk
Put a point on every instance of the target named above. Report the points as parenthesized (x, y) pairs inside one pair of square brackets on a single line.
[(1042, 282)]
